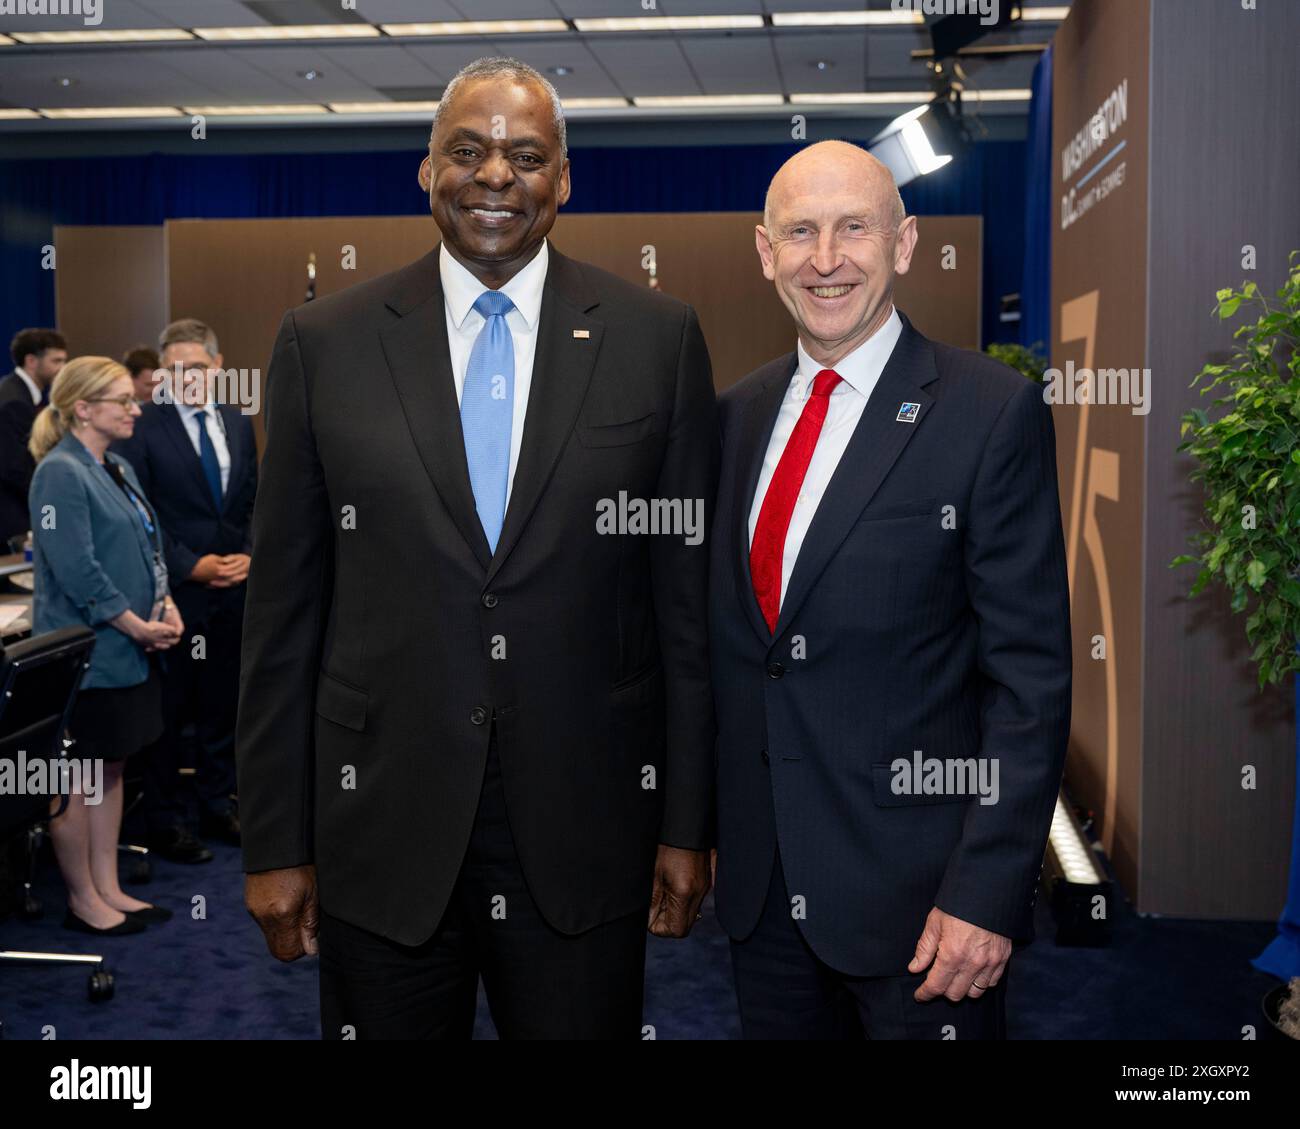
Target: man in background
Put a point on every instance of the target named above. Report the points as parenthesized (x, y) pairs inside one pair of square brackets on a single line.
[(142, 363), (197, 463), (38, 355)]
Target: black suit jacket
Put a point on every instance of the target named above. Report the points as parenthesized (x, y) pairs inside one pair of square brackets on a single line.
[(382, 640), (953, 641), (193, 525), (17, 414)]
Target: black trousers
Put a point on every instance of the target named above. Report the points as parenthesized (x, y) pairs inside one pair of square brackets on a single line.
[(786, 992), (540, 984), (204, 692)]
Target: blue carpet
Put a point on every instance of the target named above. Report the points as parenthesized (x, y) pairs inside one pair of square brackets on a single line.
[(206, 975)]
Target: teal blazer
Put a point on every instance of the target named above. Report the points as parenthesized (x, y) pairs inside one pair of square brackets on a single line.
[(92, 558)]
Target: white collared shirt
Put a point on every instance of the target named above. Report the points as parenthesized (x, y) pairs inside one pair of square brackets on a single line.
[(32, 386), (860, 371), (460, 291), (216, 428)]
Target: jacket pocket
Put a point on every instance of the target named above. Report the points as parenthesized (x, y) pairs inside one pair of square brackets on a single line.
[(920, 507), (641, 688), (882, 778), (616, 434), (340, 703)]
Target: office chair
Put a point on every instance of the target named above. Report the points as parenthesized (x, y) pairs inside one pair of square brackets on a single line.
[(39, 680)]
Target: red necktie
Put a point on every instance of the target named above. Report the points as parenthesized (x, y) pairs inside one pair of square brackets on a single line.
[(768, 548)]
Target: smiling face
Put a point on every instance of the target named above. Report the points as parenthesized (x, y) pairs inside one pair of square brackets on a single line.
[(196, 365), (494, 175), (108, 414), (833, 239)]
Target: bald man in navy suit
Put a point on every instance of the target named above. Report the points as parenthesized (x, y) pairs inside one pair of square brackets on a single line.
[(890, 643)]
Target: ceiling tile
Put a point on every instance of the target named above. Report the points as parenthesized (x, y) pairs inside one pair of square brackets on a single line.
[(643, 65), (732, 64)]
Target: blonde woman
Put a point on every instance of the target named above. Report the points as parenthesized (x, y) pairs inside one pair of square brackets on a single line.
[(98, 561)]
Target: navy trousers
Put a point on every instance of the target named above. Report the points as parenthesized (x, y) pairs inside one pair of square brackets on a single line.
[(786, 992)]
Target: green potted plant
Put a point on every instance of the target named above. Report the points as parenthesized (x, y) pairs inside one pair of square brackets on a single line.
[(1026, 360), (1247, 453)]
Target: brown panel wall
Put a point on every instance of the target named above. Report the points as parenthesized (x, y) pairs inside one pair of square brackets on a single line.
[(1099, 321), (109, 288), (1210, 847), (241, 275)]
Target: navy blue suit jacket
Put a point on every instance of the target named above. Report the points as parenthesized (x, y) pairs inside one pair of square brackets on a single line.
[(172, 478), (900, 631)]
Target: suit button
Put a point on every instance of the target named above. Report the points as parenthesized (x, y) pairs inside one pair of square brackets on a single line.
[(775, 670), (489, 599), (478, 715), (766, 759)]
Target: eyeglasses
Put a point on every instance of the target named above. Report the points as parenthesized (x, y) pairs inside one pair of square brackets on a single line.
[(123, 402)]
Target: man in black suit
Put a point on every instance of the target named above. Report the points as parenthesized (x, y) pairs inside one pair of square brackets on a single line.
[(475, 725), (38, 355), (890, 645), (197, 463)]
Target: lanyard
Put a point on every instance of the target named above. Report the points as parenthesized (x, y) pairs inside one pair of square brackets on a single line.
[(140, 507)]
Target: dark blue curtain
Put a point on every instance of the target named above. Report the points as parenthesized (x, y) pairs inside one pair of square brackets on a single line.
[(1036, 289), (35, 195), (985, 180)]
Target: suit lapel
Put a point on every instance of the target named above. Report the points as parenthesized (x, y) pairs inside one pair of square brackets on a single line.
[(104, 484), (419, 362), (230, 418), (562, 368), (875, 446), (758, 419)]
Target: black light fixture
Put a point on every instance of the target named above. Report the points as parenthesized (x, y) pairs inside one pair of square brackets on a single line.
[(970, 21)]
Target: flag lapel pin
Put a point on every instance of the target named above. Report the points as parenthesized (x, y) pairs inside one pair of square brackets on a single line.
[(581, 334)]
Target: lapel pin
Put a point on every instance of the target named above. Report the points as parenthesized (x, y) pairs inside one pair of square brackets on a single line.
[(907, 413), (581, 334)]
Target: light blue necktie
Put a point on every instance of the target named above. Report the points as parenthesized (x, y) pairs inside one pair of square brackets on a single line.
[(487, 408)]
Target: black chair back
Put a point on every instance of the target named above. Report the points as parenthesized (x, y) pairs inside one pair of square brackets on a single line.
[(39, 680)]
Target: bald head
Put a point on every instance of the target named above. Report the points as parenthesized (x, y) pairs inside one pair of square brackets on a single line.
[(812, 171), (833, 239)]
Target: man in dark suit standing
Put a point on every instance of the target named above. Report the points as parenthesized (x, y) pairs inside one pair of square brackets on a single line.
[(38, 355), (475, 725), (197, 463), (890, 645)]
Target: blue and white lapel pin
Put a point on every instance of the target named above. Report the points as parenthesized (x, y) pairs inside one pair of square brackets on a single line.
[(907, 413)]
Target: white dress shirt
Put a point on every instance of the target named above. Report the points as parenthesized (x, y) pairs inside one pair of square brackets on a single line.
[(860, 371), (216, 428), (460, 290), (32, 386)]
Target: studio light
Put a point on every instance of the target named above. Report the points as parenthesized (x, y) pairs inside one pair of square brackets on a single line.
[(1081, 894), (920, 141)]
